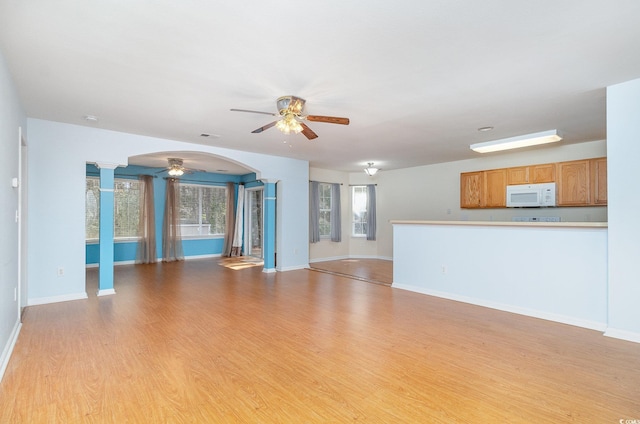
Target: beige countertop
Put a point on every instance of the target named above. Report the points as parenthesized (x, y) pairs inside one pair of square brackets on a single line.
[(506, 223)]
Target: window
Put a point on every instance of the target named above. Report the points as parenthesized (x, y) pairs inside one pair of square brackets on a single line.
[(359, 208), (126, 208), (324, 219), (92, 209), (202, 210)]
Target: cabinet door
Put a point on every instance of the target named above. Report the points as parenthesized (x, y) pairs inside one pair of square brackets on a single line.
[(599, 180), (542, 173), (471, 187), (495, 193), (518, 175), (574, 183)]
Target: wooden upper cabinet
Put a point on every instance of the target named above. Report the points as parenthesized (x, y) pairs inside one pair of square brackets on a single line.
[(518, 175), (599, 181), (578, 183), (574, 183), (495, 188), (471, 189), (542, 173), (533, 174)]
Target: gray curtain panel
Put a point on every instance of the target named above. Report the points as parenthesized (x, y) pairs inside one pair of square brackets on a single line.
[(314, 212), (336, 220), (371, 212)]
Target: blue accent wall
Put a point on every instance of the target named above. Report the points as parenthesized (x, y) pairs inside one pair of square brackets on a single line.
[(125, 251)]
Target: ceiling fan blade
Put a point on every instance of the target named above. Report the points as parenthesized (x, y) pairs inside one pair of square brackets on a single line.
[(264, 127), (308, 132), (253, 111), (328, 119)]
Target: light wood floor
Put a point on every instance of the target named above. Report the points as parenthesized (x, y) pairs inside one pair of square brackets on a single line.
[(373, 270), (196, 342)]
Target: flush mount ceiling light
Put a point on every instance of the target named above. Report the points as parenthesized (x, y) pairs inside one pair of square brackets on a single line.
[(517, 142), (370, 170)]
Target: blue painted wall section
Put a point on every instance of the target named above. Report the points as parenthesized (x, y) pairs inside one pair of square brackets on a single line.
[(125, 251)]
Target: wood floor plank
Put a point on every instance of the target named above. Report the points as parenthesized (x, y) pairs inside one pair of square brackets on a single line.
[(378, 271), (200, 342)]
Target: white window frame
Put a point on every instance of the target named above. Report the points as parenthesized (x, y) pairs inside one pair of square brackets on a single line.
[(200, 224), (325, 188), (116, 238), (360, 207)]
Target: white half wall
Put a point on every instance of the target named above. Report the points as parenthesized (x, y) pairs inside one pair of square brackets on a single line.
[(555, 273)]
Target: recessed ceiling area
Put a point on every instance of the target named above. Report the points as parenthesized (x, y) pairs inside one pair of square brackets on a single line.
[(191, 160), (416, 78)]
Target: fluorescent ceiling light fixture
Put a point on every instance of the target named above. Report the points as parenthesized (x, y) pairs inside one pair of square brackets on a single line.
[(544, 137)]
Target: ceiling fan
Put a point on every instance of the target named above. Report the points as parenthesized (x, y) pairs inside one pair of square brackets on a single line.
[(177, 169), (290, 110)]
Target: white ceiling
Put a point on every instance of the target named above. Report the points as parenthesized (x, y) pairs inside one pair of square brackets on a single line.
[(417, 78)]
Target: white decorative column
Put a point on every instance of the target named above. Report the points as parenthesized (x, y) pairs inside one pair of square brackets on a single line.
[(105, 271)]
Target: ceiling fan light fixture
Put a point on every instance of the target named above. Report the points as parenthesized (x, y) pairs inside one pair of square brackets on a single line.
[(289, 124), (517, 142), (290, 104), (175, 167), (371, 170)]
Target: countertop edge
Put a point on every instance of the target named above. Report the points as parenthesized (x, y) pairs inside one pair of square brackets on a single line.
[(506, 224)]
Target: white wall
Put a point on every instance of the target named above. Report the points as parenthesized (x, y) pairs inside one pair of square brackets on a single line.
[(57, 160), (623, 137), (11, 118)]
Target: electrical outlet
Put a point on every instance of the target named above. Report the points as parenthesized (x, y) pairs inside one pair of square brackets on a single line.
[(60, 272), (15, 294), (444, 269)]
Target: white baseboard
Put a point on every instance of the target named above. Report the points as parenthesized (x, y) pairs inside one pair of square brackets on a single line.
[(106, 292), (8, 348), (623, 335), (292, 268), (186, 258), (56, 299), (213, 255), (578, 322)]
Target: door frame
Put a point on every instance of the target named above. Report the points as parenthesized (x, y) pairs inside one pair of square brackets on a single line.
[(248, 220)]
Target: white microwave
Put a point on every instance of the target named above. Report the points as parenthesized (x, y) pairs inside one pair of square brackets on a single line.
[(531, 195)]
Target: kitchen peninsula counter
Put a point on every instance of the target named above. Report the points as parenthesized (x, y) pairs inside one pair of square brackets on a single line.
[(507, 223), (550, 270)]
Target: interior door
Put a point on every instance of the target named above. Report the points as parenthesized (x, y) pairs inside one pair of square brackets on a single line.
[(254, 222)]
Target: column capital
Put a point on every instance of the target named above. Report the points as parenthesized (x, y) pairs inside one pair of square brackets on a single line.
[(106, 165)]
